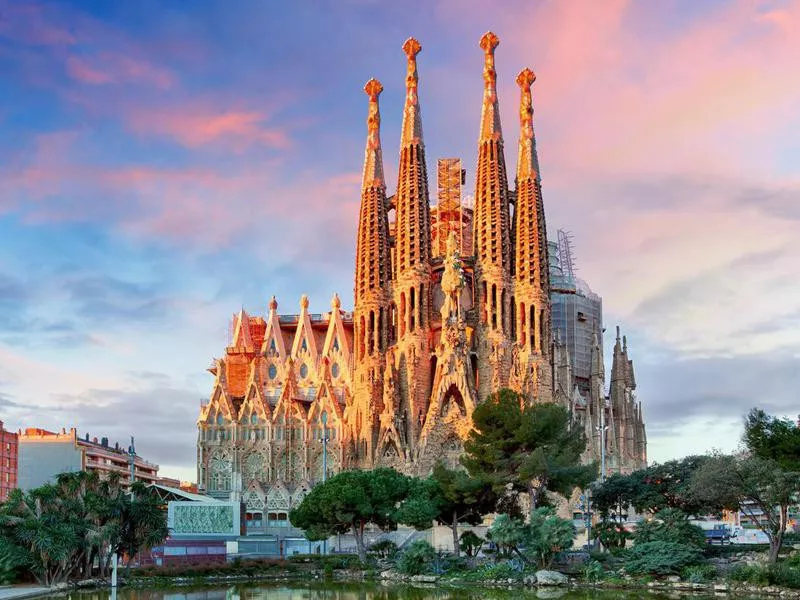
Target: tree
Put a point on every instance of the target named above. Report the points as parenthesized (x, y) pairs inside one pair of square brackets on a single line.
[(59, 530), (530, 448), (536, 542), (670, 525), (546, 535), (449, 497), (471, 543), (759, 487), (612, 534), (773, 438), (660, 486), (507, 533), (349, 501)]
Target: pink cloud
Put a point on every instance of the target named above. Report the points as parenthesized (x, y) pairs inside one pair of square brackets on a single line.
[(199, 127), (81, 71), (108, 67)]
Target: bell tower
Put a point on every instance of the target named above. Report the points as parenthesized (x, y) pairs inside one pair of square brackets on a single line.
[(371, 293), (492, 238)]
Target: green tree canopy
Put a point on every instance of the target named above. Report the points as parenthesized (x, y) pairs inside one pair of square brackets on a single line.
[(58, 531), (773, 438), (449, 497), (759, 487), (349, 501), (660, 486), (529, 448)]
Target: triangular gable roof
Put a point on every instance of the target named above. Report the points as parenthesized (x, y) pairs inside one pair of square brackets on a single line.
[(241, 332), (336, 341), (304, 332), (219, 401), (254, 397), (287, 402), (325, 398), (273, 336)]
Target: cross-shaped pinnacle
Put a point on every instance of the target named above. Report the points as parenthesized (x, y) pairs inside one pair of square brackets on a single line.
[(526, 78), (489, 42), (411, 47), (373, 88)]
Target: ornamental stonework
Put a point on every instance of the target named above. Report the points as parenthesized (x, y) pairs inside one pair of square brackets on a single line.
[(300, 396)]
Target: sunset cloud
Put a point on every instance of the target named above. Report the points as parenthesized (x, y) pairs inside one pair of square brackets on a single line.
[(160, 169)]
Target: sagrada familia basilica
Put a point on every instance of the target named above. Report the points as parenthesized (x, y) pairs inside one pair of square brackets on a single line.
[(432, 333)]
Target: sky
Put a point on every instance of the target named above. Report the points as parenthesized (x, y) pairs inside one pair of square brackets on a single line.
[(164, 164)]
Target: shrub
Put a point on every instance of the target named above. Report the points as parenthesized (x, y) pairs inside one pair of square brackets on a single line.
[(749, 574), (661, 558), (417, 558), (593, 571), (699, 573), (784, 575), (611, 534), (546, 535), (471, 543), (670, 525), (384, 549)]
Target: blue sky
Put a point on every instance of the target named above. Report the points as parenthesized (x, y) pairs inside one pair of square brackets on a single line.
[(163, 166)]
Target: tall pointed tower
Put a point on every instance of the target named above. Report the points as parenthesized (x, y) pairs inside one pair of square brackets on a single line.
[(531, 278), (372, 294), (492, 240), (412, 259)]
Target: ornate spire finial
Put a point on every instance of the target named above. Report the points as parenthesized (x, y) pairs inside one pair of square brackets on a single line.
[(304, 302), (490, 118), (336, 302), (373, 155), (617, 333), (273, 304), (412, 121), (527, 161), (625, 344)]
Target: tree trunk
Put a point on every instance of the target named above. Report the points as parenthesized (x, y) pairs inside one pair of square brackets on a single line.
[(454, 527), (358, 533), (533, 493), (776, 540)]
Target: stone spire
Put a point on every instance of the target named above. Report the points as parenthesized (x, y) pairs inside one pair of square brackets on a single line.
[(413, 232), (492, 215), (373, 154), (492, 239), (412, 254), (412, 119), (372, 291), (490, 112), (372, 248)]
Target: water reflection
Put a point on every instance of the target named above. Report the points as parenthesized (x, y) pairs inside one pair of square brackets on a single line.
[(336, 591)]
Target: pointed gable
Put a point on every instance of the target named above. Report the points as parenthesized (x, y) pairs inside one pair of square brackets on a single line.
[(273, 345), (242, 340), (337, 345), (254, 401), (305, 342), (219, 402)]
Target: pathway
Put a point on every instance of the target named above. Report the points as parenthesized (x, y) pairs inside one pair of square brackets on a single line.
[(19, 592)]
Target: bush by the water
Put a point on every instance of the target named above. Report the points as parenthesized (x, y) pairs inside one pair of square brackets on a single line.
[(699, 573), (670, 525), (661, 558), (384, 549), (417, 559)]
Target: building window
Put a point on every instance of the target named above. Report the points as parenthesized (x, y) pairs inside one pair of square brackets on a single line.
[(273, 370), (278, 519)]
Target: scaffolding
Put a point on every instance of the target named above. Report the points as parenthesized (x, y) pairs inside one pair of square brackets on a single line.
[(448, 213), (566, 254)]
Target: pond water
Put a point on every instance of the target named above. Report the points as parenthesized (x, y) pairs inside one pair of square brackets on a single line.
[(367, 591)]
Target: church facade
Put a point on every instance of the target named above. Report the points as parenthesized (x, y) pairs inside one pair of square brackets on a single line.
[(393, 383)]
